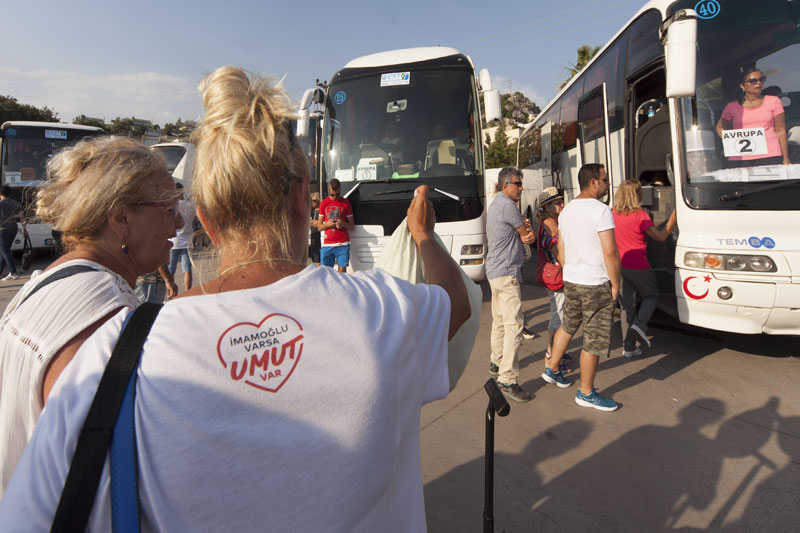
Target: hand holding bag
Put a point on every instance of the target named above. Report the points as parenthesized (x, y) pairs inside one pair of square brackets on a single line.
[(27, 253), (548, 271)]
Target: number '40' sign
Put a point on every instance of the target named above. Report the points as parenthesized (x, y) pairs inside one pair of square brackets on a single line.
[(707, 9)]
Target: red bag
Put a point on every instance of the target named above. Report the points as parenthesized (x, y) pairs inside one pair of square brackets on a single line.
[(547, 273)]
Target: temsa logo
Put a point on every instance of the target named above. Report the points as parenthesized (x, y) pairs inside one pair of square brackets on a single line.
[(262, 355)]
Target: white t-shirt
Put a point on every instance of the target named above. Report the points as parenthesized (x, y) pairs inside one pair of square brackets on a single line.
[(31, 335), (324, 436), (183, 237), (578, 225)]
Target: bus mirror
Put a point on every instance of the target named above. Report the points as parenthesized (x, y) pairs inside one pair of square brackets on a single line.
[(485, 80), (302, 123), (308, 99), (491, 100), (679, 36)]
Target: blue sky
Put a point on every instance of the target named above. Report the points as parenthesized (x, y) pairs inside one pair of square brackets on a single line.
[(145, 59)]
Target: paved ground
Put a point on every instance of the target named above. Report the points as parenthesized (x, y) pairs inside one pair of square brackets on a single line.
[(708, 437)]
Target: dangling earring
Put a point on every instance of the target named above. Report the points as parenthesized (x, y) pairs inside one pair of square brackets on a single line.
[(124, 248)]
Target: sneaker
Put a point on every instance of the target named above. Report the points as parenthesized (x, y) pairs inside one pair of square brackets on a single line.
[(641, 335), (11, 276), (555, 378), (596, 400), (633, 353), (528, 334), (494, 370), (514, 391)]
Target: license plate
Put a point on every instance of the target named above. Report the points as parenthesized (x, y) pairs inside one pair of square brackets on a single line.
[(49, 242)]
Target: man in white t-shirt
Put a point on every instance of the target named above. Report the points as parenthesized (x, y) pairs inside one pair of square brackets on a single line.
[(181, 244), (588, 251)]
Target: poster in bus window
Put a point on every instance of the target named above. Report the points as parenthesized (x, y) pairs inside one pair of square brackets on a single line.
[(745, 141)]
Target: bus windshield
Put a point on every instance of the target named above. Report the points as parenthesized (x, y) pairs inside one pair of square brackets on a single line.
[(173, 154), (403, 125), (732, 147), (26, 150)]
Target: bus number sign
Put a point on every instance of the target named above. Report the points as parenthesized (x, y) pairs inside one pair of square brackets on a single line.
[(55, 134), (707, 9), (745, 141)]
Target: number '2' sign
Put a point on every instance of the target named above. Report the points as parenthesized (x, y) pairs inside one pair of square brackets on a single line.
[(746, 141)]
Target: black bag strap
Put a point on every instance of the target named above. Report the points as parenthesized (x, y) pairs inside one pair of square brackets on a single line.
[(86, 468), (61, 274)]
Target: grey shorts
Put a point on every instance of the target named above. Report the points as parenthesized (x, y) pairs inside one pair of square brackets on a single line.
[(592, 306)]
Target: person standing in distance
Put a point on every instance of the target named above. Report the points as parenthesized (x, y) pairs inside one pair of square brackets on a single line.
[(506, 231), (181, 244), (588, 252), (336, 220), (10, 212)]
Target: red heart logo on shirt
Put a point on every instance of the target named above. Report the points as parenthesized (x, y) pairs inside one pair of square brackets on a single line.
[(262, 355)]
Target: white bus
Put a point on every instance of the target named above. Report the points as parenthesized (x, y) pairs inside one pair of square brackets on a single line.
[(395, 120), (647, 107), (26, 147), (180, 160)]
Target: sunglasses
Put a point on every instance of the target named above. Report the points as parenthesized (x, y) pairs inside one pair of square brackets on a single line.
[(170, 207), (517, 183), (753, 81)]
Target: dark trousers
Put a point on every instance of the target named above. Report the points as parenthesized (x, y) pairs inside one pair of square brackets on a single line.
[(6, 240)]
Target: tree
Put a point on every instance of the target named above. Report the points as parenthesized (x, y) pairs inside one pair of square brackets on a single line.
[(11, 109), (585, 54), (127, 127), (498, 152), (180, 129), (83, 120)]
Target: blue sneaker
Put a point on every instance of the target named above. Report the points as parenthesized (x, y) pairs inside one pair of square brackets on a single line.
[(596, 400), (555, 378)]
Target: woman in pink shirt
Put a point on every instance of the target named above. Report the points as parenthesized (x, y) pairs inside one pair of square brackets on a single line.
[(754, 110), (632, 227)]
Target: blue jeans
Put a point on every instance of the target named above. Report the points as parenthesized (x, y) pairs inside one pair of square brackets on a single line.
[(6, 240), (183, 255)]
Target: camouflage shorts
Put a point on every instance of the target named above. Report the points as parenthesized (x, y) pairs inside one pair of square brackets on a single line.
[(592, 306)]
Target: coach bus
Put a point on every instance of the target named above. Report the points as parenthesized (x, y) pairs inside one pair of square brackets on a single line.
[(395, 120), (648, 106), (26, 147)]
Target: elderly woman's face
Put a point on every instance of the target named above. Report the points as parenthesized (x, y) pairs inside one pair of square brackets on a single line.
[(152, 223)]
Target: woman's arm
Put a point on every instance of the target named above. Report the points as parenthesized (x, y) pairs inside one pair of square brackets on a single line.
[(780, 130), (723, 124), (661, 235)]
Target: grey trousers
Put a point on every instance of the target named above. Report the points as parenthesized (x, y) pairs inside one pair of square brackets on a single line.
[(642, 282)]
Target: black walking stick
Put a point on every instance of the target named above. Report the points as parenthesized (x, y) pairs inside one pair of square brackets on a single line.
[(499, 405)]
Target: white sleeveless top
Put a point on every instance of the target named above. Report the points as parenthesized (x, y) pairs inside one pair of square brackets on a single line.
[(31, 335)]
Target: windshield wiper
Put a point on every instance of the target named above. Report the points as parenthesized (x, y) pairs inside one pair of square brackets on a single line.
[(448, 194), (382, 180), (741, 194)]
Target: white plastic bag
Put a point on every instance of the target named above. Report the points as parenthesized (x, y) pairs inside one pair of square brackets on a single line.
[(401, 259)]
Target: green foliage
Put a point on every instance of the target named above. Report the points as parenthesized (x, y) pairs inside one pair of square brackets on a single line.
[(83, 120), (11, 109), (498, 152), (180, 129), (585, 54)]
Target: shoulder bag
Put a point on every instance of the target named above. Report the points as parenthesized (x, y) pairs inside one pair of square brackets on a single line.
[(548, 271), (110, 415)]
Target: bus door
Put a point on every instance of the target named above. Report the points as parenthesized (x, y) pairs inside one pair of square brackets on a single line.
[(593, 133), (548, 174), (649, 155)]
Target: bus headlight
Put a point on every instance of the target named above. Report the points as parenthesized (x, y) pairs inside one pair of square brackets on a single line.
[(738, 263), (467, 262), (761, 263), (472, 249)]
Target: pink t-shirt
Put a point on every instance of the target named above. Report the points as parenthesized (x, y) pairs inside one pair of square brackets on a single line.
[(762, 116), (632, 239)]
